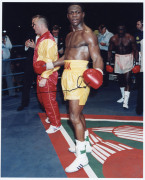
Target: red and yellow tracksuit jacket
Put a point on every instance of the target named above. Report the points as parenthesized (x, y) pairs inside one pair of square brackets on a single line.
[(46, 50)]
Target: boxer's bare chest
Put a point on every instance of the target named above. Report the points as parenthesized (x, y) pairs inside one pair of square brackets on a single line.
[(124, 42), (76, 46), (123, 45), (75, 40)]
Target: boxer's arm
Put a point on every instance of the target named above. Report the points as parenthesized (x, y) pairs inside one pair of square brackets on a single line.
[(94, 50), (136, 68), (110, 49), (97, 73), (52, 54), (59, 62), (134, 49)]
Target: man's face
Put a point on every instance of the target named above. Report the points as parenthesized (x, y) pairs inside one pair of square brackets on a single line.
[(103, 31), (36, 26), (55, 32), (121, 30), (75, 15), (139, 25)]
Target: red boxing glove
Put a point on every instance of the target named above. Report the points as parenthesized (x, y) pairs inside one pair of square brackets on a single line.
[(39, 67), (109, 68), (93, 77), (136, 69)]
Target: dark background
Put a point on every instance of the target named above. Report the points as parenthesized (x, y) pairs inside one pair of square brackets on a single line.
[(17, 14)]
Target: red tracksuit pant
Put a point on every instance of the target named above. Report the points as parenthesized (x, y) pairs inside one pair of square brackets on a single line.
[(47, 97)]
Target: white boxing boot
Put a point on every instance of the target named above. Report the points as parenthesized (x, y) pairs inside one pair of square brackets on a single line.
[(122, 93), (88, 145), (81, 159), (126, 98), (72, 149)]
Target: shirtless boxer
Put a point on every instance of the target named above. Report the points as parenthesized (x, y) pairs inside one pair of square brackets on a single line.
[(81, 46), (125, 49)]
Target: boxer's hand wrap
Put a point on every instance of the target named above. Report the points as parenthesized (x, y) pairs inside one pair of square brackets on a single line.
[(137, 63), (99, 70), (49, 65), (93, 77)]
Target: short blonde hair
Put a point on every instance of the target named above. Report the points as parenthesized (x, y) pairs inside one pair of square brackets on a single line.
[(43, 19)]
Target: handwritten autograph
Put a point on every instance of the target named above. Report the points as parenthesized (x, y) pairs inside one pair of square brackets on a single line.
[(78, 86)]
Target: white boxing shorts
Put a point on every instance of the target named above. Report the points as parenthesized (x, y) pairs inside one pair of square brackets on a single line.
[(123, 63)]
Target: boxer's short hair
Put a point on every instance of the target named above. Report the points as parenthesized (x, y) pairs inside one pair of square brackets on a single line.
[(78, 4)]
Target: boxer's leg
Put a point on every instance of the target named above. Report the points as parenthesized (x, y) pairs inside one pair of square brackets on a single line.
[(88, 145), (86, 136), (75, 111), (127, 77), (122, 87), (127, 89), (81, 160)]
